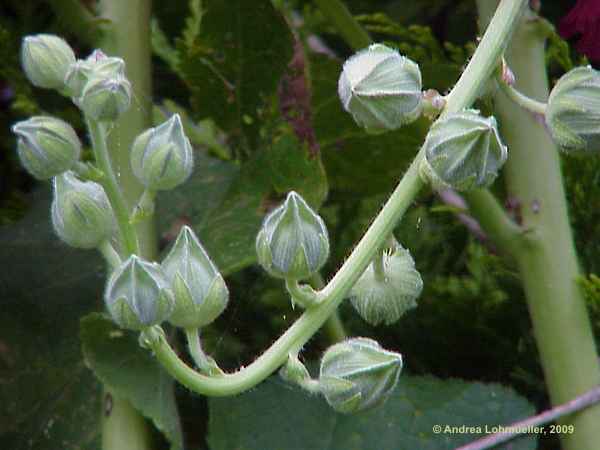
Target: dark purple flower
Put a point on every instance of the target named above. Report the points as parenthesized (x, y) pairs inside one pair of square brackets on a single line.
[(583, 21)]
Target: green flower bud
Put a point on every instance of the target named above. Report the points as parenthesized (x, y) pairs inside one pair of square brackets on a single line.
[(381, 88), (162, 157), (105, 99), (200, 291), (387, 288), (97, 65), (573, 111), (137, 294), (46, 59), (463, 151), (81, 212), (358, 374), (46, 146), (293, 241)]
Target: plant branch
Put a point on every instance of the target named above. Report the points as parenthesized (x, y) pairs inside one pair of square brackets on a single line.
[(337, 13), (522, 100), (516, 429)]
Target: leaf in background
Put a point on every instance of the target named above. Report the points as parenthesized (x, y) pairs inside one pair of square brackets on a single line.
[(226, 203), (233, 65), (49, 399), (132, 373), (278, 416)]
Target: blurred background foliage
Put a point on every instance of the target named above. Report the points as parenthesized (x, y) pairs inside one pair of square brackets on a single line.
[(282, 128)]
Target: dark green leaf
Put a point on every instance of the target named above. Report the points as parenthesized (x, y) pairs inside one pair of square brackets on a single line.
[(132, 373), (278, 416)]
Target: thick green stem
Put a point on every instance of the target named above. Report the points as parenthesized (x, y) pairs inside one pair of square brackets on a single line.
[(548, 264), (110, 254), (335, 291), (123, 428), (112, 188), (336, 12)]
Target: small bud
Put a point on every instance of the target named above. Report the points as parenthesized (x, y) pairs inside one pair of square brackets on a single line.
[(97, 65), (463, 151), (162, 157), (358, 374), (381, 88), (293, 241), (385, 297), (46, 59), (573, 111), (105, 99), (46, 146), (200, 291), (137, 294), (81, 212)]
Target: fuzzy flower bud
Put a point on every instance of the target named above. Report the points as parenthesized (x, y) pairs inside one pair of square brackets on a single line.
[(46, 146), (293, 241), (358, 374), (162, 157), (573, 111), (380, 88), (199, 289), (387, 288), (105, 99), (137, 295), (46, 59), (463, 151), (81, 212), (97, 65)]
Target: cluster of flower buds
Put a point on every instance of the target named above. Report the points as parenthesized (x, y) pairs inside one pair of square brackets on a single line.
[(573, 111), (463, 151), (381, 88), (388, 287), (358, 374), (293, 242), (186, 289)]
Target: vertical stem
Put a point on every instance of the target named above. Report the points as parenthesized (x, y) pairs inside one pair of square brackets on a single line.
[(548, 263), (128, 36)]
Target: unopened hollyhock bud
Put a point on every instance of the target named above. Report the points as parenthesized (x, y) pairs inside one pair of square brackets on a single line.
[(137, 294), (81, 213), (46, 146), (97, 65), (381, 88), (464, 151), (199, 289), (386, 291), (105, 99), (358, 374), (162, 157), (293, 242), (46, 59), (573, 111)]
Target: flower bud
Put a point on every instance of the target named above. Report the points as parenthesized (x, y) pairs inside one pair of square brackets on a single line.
[(96, 65), (358, 374), (573, 111), (293, 241), (105, 99), (381, 88), (45, 59), (81, 212), (137, 294), (386, 296), (199, 289), (162, 157), (46, 146), (463, 151)]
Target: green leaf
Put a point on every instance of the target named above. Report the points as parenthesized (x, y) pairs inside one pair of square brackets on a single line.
[(234, 63), (50, 400), (279, 416), (132, 373)]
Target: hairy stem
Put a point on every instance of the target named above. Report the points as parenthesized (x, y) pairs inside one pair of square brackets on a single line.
[(548, 263), (522, 100)]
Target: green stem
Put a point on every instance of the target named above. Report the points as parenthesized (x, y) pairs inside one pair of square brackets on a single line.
[(335, 291), (205, 363), (113, 191), (304, 295), (334, 326), (337, 13), (378, 268), (548, 265), (123, 428), (110, 254), (522, 100)]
